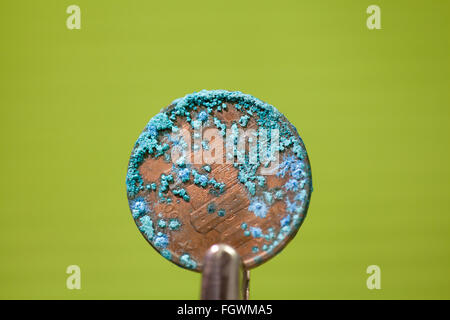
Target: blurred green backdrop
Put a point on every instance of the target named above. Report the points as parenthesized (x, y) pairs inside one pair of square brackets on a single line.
[(371, 105)]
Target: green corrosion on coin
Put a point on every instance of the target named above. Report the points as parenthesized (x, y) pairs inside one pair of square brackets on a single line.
[(218, 167)]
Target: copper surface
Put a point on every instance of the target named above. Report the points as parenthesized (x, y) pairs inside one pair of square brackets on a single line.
[(200, 230)]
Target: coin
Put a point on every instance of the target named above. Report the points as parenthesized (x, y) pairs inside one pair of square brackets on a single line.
[(218, 167)]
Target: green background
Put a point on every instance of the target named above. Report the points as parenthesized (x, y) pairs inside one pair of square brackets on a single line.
[(371, 105)]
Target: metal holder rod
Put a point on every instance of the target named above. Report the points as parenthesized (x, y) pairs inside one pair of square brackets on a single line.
[(223, 276)]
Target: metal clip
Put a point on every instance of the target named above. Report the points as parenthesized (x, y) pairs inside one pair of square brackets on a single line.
[(224, 277)]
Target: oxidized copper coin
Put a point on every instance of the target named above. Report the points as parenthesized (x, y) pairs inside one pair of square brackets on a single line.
[(218, 167)]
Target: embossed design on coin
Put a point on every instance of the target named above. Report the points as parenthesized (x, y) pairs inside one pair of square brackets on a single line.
[(218, 167)]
